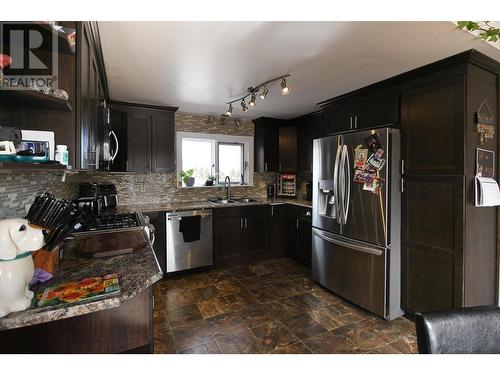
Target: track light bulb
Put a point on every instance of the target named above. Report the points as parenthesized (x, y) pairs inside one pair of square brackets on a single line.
[(285, 90), (252, 101), (244, 105), (264, 93), (230, 110)]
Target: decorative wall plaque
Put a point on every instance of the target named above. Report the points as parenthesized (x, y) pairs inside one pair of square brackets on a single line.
[(485, 123)]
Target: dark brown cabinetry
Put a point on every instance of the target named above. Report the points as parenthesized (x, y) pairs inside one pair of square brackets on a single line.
[(241, 234), (298, 232), (287, 149), (92, 90), (266, 144), (146, 137), (157, 219), (361, 110), (448, 244), (277, 229), (309, 127)]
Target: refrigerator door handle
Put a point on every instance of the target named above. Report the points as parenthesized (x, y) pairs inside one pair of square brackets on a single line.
[(349, 245), (341, 182), (335, 184), (347, 184)]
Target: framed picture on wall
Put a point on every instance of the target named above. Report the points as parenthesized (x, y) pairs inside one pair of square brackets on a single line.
[(485, 163)]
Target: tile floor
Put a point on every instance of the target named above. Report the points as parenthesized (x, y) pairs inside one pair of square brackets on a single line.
[(268, 307)]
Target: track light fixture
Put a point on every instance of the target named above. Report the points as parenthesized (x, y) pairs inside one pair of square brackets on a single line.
[(264, 92), (252, 101), (285, 90), (244, 105), (252, 92)]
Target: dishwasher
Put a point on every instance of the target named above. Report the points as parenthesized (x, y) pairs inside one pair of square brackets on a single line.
[(185, 253)]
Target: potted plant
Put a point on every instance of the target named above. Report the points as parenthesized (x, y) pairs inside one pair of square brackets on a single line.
[(187, 177), (212, 177)]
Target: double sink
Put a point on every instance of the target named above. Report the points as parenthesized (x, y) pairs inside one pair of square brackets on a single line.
[(235, 200)]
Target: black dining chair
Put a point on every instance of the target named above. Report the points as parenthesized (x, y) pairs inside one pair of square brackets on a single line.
[(472, 330)]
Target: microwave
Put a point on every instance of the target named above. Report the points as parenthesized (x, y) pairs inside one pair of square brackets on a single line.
[(287, 184)]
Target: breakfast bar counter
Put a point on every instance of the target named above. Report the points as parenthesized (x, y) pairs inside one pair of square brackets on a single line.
[(137, 272)]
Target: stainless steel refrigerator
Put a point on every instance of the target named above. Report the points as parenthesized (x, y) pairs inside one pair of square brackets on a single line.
[(357, 218)]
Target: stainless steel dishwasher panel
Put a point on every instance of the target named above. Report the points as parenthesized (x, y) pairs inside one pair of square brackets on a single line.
[(186, 255)]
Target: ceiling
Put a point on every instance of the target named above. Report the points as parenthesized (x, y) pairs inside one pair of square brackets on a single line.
[(199, 66)]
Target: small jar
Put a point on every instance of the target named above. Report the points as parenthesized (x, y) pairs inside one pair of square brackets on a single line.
[(62, 154)]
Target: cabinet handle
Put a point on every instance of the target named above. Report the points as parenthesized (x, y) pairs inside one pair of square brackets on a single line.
[(402, 187), (265, 167), (241, 223), (272, 210), (297, 223), (402, 166), (356, 122), (350, 122), (246, 223), (280, 167)]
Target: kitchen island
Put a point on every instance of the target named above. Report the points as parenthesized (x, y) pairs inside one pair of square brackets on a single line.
[(121, 323)]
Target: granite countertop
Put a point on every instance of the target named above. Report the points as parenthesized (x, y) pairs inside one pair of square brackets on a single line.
[(136, 272), (199, 205)]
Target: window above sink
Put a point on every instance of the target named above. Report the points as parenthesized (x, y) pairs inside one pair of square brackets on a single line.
[(217, 155)]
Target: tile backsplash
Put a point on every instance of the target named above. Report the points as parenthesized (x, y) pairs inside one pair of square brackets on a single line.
[(17, 189)]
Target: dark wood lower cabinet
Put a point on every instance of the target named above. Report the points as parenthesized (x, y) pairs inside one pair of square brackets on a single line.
[(298, 234), (124, 329), (277, 228), (243, 234), (157, 219)]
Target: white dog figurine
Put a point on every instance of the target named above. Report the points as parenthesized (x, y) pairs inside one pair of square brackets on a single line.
[(17, 240)]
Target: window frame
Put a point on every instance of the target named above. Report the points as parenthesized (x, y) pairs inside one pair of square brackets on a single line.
[(220, 180), (247, 161)]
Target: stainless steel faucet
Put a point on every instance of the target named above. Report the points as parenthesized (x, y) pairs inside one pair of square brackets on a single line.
[(227, 187)]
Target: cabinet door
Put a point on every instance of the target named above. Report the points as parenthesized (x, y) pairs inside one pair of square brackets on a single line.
[(304, 240), (339, 117), (432, 243), (378, 108), (83, 108), (157, 219), (266, 145), (256, 238), (432, 122), (228, 239), (287, 149), (138, 141), (308, 129), (277, 237), (163, 133), (291, 231)]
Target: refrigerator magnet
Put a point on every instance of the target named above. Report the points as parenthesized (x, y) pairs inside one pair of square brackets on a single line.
[(359, 176), (373, 142), (375, 162), (379, 153), (360, 153)]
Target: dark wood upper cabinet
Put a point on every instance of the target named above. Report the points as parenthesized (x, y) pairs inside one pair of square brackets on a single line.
[(138, 141), (146, 136), (163, 134), (91, 91), (287, 149), (362, 110), (266, 144), (340, 116), (379, 108), (309, 127), (433, 130)]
